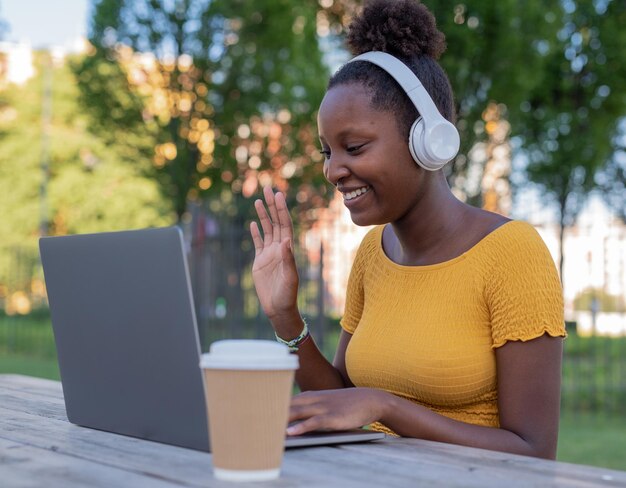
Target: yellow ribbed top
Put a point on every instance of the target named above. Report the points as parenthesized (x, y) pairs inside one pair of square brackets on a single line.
[(428, 333)]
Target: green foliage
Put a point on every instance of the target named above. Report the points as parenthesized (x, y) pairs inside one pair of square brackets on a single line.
[(612, 178), (252, 69), (494, 54), (90, 184), (573, 114)]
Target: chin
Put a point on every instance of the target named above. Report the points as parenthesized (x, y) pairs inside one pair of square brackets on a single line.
[(366, 220)]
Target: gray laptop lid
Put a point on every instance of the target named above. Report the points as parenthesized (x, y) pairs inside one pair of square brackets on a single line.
[(127, 342), (126, 334)]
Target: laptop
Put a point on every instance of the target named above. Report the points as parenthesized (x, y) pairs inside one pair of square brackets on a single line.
[(127, 340)]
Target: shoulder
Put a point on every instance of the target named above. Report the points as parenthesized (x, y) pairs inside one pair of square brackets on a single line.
[(514, 238), (516, 255), (522, 286), (513, 250)]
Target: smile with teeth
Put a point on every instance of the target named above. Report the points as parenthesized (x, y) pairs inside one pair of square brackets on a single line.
[(353, 194)]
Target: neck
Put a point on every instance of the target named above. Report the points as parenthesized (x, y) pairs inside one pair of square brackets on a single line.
[(424, 233)]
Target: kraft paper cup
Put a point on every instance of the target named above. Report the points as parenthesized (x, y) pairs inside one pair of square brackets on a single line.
[(248, 386)]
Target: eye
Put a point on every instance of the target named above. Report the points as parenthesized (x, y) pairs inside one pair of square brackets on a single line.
[(353, 149), (325, 153)]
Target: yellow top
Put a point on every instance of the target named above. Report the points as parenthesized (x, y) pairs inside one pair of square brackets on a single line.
[(428, 333)]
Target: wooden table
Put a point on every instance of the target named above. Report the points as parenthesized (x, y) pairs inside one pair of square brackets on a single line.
[(40, 448)]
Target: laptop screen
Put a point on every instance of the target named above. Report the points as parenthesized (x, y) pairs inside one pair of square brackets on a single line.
[(126, 335)]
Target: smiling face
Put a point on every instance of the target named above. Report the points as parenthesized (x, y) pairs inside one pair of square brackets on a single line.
[(367, 157)]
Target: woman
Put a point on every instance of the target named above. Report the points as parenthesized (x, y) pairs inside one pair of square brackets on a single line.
[(453, 324)]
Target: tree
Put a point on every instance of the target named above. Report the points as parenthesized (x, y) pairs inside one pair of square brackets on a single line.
[(226, 89), (572, 118), (93, 185), (494, 55), (612, 178)]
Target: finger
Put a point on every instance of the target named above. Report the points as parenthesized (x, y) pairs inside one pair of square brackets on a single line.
[(256, 238), (306, 398), (266, 225), (313, 423), (271, 205), (305, 411), (284, 219)]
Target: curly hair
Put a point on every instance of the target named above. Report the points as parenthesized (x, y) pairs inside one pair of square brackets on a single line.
[(405, 29)]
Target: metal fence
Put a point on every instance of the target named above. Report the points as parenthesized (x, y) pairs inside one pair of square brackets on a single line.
[(224, 293), (220, 257)]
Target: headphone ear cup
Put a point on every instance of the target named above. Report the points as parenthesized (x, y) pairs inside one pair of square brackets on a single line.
[(416, 143), (442, 146)]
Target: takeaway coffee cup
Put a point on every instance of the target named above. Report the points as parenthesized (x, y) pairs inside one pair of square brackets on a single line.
[(248, 385)]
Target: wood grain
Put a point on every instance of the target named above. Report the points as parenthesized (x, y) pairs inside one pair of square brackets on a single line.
[(39, 447)]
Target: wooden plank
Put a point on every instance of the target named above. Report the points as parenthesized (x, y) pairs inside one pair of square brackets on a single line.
[(349, 466), (50, 430), (438, 456), (29, 383), (29, 467), (25, 401), (161, 461), (127, 453), (35, 418), (447, 460)]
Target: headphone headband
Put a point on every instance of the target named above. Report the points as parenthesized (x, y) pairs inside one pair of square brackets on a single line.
[(408, 80)]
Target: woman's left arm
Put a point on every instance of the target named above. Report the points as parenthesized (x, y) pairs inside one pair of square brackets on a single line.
[(529, 379)]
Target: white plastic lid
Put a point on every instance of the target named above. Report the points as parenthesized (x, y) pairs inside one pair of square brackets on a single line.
[(249, 354)]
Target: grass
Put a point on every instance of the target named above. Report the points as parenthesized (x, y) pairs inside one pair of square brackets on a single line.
[(27, 346), (27, 335), (593, 439), (29, 366), (594, 374)]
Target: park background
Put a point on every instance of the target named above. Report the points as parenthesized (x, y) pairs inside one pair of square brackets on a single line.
[(177, 112)]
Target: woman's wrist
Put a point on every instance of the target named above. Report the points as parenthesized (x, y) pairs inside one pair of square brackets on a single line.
[(288, 325), (294, 344), (386, 405)]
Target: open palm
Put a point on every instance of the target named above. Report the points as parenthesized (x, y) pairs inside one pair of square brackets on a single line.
[(274, 269)]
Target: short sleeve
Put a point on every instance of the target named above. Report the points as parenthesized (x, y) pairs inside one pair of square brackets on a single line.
[(355, 294), (523, 290)]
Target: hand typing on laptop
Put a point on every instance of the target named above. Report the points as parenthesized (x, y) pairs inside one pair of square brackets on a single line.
[(344, 409)]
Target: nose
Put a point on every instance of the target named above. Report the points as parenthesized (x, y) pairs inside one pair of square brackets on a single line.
[(335, 169)]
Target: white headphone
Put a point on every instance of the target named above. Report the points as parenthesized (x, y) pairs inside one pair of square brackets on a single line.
[(433, 140)]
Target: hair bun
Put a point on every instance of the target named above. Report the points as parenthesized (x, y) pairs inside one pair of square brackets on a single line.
[(403, 28)]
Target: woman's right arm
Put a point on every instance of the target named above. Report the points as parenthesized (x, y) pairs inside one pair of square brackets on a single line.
[(276, 281)]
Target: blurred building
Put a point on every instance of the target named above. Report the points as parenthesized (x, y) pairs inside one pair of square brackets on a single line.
[(332, 243), (16, 63), (595, 260)]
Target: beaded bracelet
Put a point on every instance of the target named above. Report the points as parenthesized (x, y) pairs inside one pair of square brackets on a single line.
[(295, 344)]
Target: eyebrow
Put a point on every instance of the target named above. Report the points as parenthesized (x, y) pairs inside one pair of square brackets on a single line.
[(343, 132)]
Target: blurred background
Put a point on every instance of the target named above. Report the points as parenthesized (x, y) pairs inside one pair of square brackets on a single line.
[(122, 114)]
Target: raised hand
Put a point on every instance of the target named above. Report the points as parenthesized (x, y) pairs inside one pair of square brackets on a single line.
[(274, 270)]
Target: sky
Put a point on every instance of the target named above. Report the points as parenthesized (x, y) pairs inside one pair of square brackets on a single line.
[(44, 23)]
